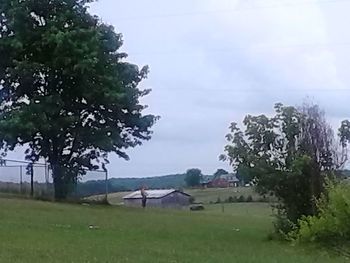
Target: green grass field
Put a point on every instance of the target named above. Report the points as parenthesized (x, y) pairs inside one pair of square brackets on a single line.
[(205, 196), (212, 194), (33, 231)]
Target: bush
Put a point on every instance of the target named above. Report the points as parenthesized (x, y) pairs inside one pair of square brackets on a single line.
[(282, 224), (332, 225), (249, 199), (197, 207), (262, 200), (232, 199), (241, 199), (218, 201), (192, 199)]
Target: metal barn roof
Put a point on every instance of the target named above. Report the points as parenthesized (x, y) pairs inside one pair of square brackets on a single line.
[(151, 194)]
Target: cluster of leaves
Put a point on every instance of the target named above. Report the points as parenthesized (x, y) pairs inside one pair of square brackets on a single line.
[(193, 177), (235, 199), (219, 172), (66, 93), (240, 199), (331, 226), (288, 155)]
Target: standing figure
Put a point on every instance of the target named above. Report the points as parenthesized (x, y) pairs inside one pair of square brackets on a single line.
[(144, 197)]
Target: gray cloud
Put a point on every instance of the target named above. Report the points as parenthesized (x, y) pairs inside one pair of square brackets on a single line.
[(211, 66)]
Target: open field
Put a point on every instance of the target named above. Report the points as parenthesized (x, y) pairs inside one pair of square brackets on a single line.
[(206, 196), (33, 231), (113, 198), (212, 194)]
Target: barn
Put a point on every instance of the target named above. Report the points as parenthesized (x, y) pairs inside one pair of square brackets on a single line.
[(169, 198)]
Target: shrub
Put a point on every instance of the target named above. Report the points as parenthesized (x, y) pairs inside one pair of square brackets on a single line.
[(192, 199), (241, 199), (198, 207), (282, 224), (232, 199), (218, 201), (332, 225), (263, 199), (249, 199)]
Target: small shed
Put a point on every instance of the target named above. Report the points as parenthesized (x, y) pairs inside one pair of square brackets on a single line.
[(169, 198)]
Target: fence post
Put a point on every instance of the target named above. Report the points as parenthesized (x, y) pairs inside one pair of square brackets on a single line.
[(106, 171), (21, 179), (46, 177), (31, 180)]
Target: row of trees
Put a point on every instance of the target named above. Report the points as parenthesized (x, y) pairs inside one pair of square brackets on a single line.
[(289, 155), (193, 176)]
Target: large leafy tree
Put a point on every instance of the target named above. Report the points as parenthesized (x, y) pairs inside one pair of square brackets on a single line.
[(193, 177), (66, 92), (219, 172), (288, 155)]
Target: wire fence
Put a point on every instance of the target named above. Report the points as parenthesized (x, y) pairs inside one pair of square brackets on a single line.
[(35, 179)]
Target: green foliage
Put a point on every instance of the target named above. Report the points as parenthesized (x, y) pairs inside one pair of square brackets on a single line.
[(288, 155), (219, 172), (344, 132), (197, 207), (249, 199), (175, 181), (208, 195), (193, 177), (283, 226), (241, 199), (232, 199), (332, 225), (97, 187), (67, 93), (192, 200)]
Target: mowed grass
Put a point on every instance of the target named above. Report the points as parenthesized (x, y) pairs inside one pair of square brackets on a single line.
[(33, 231), (206, 196)]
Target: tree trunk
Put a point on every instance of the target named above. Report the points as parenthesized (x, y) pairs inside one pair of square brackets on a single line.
[(60, 185), (316, 186)]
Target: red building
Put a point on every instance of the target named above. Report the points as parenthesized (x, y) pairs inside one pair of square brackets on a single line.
[(222, 181)]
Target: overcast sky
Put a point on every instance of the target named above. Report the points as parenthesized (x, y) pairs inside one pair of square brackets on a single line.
[(214, 61)]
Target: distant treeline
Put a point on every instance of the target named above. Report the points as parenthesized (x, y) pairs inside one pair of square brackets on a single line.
[(130, 184), (96, 187)]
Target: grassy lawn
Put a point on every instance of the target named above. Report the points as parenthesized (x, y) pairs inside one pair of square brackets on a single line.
[(257, 210), (201, 195), (33, 231), (212, 194)]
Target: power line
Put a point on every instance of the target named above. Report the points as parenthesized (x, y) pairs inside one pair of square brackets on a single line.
[(238, 9)]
